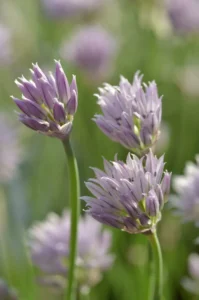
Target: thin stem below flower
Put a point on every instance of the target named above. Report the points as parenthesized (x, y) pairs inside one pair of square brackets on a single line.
[(152, 277), (74, 191), (157, 256)]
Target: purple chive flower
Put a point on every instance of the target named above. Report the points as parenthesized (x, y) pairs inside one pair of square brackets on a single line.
[(186, 186), (6, 54), (70, 8), (191, 284), (48, 102), (92, 49), (131, 113), (7, 293), (131, 195), (10, 149), (49, 248), (184, 15)]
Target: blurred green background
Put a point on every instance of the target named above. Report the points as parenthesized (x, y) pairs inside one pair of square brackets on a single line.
[(145, 42)]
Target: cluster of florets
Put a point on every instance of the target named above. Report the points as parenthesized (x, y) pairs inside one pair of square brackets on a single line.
[(131, 113), (48, 102), (49, 248), (187, 187), (91, 49), (184, 15), (131, 195), (191, 283)]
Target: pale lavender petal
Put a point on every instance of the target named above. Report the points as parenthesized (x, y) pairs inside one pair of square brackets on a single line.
[(59, 112), (49, 245), (34, 124), (62, 83), (72, 104), (30, 108)]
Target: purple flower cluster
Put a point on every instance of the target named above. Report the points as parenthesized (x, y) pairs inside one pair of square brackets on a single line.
[(191, 284), (48, 102), (92, 49), (187, 188), (131, 113), (49, 247), (131, 195), (184, 15)]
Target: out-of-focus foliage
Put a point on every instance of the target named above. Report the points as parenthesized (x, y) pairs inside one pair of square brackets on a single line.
[(147, 42)]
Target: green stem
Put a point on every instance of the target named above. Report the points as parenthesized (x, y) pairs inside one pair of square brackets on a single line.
[(152, 277), (74, 191), (157, 256)]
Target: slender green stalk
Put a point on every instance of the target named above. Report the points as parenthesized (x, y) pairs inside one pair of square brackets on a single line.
[(152, 277), (74, 191), (157, 256)]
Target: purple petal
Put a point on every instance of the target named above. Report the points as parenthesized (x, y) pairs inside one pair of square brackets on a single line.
[(145, 136), (73, 85), (71, 106), (47, 92), (165, 184), (34, 124), (152, 204), (30, 108), (62, 83), (59, 112), (160, 196), (37, 72), (29, 90)]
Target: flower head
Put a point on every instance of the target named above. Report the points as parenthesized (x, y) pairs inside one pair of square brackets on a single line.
[(48, 102), (184, 15), (10, 150), (6, 293), (187, 188), (49, 247), (131, 195), (191, 284), (70, 8), (91, 49), (131, 113)]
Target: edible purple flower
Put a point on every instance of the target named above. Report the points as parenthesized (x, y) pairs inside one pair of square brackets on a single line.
[(129, 196), (49, 248), (48, 102), (131, 113), (91, 49), (184, 15), (191, 283), (186, 186)]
